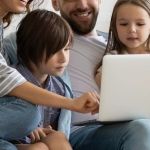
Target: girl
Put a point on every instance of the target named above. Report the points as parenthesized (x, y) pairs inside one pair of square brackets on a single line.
[(14, 113), (129, 31)]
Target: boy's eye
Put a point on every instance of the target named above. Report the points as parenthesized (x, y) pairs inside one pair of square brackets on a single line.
[(67, 48)]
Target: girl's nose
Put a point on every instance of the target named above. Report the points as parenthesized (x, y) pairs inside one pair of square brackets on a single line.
[(132, 28)]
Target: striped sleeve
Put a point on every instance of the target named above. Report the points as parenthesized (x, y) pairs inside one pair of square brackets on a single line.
[(9, 77)]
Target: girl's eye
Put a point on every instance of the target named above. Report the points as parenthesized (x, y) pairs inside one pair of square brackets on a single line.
[(140, 24), (123, 24)]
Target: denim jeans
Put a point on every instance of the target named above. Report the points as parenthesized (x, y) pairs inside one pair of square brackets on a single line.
[(133, 135), (17, 119)]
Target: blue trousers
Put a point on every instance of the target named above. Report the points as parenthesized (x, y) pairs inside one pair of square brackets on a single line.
[(133, 135), (17, 119)]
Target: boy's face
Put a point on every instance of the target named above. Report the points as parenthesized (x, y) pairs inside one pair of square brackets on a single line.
[(80, 14), (133, 27), (56, 64)]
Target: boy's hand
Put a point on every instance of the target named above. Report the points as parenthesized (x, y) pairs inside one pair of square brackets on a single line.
[(39, 133), (88, 102)]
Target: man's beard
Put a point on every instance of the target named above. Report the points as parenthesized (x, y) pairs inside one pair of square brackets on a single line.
[(80, 29)]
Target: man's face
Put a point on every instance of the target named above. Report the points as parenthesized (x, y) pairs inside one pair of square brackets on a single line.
[(80, 14)]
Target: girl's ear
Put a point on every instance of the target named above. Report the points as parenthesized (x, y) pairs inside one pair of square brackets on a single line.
[(55, 5)]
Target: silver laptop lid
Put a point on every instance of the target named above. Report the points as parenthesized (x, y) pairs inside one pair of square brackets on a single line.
[(125, 87)]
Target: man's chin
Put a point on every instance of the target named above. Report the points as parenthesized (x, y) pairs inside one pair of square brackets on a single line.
[(82, 31), (82, 28)]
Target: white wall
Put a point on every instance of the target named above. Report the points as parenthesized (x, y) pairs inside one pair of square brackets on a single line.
[(105, 14), (102, 23)]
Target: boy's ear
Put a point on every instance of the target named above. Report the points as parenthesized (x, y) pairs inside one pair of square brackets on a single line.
[(55, 5)]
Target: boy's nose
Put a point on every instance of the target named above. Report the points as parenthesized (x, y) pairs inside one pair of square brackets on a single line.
[(62, 57)]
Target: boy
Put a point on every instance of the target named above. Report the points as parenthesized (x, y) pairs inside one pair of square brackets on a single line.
[(43, 41)]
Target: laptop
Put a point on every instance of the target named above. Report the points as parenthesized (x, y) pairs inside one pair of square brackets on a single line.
[(125, 89)]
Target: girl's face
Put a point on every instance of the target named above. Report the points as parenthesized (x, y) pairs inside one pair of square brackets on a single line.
[(14, 6), (133, 27)]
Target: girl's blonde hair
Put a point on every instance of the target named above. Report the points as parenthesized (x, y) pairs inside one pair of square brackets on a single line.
[(113, 40)]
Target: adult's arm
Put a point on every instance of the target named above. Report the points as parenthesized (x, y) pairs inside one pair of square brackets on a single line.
[(86, 103), (24, 90)]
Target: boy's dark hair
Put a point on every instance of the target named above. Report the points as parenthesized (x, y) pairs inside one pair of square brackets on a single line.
[(41, 33)]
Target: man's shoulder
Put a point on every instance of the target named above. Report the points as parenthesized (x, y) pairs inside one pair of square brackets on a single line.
[(103, 34), (98, 39)]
